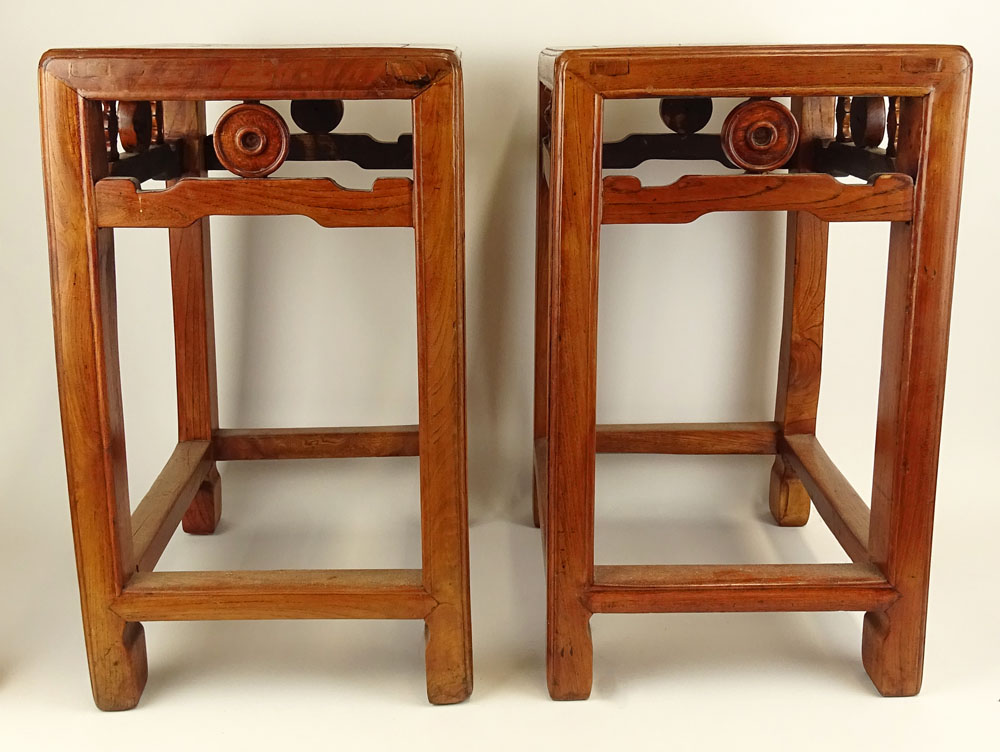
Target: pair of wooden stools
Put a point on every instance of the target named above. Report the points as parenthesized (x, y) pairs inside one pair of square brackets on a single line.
[(846, 102)]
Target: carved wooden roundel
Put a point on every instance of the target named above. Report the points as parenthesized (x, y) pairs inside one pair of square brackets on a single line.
[(251, 140), (760, 135)]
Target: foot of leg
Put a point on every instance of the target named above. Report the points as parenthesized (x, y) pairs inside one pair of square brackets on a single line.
[(203, 515), (787, 497), (118, 668), (447, 655), (892, 649), (570, 659)]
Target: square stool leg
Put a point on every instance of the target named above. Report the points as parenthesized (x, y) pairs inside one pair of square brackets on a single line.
[(801, 355), (82, 261), (194, 319), (438, 197), (911, 392), (542, 261), (572, 395)]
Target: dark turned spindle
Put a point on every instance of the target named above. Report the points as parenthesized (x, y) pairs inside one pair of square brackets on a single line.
[(685, 114), (135, 126), (843, 119), (892, 126), (110, 129), (156, 109), (867, 121), (317, 115)]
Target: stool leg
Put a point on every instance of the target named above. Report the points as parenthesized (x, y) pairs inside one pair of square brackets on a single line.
[(438, 195), (572, 419), (194, 320), (541, 294), (911, 391), (801, 354), (86, 339)]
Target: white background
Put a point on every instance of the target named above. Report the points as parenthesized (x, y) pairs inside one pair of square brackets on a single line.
[(316, 327)]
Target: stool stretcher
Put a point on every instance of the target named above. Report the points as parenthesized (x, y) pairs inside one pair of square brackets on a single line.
[(315, 443), (677, 588), (275, 594)]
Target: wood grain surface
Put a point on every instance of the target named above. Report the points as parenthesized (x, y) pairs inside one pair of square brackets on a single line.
[(886, 198), (115, 550), (890, 544), (120, 203)]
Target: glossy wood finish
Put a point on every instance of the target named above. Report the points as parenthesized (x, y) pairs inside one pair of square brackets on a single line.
[(574, 231), (82, 264), (167, 501), (898, 70), (760, 135), (194, 317), (688, 438), (315, 443), (931, 146), (229, 73), (542, 311), (276, 594), (916, 187), (115, 549), (886, 198), (360, 148), (840, 506), (251, 140), (681, 588), (120, 203), (801, 352), (439, 221)]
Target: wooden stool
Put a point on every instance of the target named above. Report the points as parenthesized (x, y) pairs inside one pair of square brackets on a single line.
[(160, 119), (914, 184)]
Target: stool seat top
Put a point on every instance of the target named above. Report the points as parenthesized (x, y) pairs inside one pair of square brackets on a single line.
[(223, 72), (735, 70)]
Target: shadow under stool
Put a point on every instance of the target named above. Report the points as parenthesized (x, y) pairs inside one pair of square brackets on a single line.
[(152, 101), (845, 103)]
